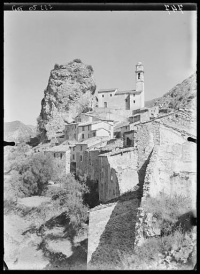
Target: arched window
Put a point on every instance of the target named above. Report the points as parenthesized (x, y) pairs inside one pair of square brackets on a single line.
[(138, 75)]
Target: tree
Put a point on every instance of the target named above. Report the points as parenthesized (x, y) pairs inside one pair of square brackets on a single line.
[(70, 199), (36, 171), (16, 156)]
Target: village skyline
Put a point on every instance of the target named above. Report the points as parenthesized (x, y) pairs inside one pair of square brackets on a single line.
[(111, 42)]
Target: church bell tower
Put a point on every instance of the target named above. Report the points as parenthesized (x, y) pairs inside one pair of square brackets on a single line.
[(139, 74)]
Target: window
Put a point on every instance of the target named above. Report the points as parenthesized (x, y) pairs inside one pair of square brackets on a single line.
[(133, 95), (60, 155), (113, 192), (82, 128), (82, 136), (54, 155), (88, 127), (126, 100), (74, 135), (110, 95), (81, 147), (73, 157), (105, 104), (73, 148), (81, 158), (138, 75), (102, 95), (133, 101), (94, 134)]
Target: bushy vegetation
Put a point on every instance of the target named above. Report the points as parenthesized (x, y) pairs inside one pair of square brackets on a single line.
[(175, 251), (56, 66), (167, 208), (29, 176), (77, 61), (174, 248), (90, 68)]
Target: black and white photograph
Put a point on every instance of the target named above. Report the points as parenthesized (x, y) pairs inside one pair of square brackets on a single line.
[(100, 136)]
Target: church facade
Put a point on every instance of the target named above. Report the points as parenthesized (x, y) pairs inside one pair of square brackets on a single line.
[(126, 100)]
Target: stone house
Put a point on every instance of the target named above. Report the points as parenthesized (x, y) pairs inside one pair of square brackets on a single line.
[(128, 138), (153, 112), (61, 152), (120, 128), (80, 148), (80, 131), (90, 164), (144, 114), (125, 100), (117, 173), (92, 129)]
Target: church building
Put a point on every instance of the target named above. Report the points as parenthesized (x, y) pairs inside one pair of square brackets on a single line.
[(125, 100)]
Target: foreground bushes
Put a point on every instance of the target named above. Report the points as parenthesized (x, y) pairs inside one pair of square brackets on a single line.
[(175, 248)]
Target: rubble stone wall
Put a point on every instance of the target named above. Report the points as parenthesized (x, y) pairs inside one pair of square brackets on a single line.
[(111, 231)]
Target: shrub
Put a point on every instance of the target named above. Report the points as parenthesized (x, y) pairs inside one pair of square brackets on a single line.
[(56, 66), (69, 198), (77, 61), (90, 68), (168, 208)]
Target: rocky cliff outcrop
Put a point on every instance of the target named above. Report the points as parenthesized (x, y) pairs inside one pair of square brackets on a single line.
[(181, 96), (70, 91)]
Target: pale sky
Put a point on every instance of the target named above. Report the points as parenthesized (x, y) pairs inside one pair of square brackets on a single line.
[(112, 42)]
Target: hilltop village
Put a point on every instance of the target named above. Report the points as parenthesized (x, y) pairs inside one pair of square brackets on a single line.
[(129, 152), (88, 144)]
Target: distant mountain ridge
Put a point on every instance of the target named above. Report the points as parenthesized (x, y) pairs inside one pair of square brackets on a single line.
[(16, 130), (181, 96)]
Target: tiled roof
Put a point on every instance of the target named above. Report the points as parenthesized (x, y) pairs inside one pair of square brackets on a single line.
[(128, 132), (121, 124), (117, 151), (69, 124), (60, 148), (107, 90), (119, 92), (84, 124), (118, 143), (100, 128), (93, 141), (88, 123), (97, 116)]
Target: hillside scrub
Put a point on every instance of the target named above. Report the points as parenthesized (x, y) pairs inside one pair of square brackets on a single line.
[(173, 252), (175, 248), (167, 209), (29, 174)]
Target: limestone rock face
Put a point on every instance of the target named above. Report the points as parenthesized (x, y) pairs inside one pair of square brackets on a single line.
[(182, 95), (70, 91)]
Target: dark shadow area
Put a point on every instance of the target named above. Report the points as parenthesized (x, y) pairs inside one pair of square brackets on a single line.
[(34, 141), (58, 261), (73, 167), (118, 235), (142, 173), (8, 143), (5, 267), (186, 221), (91, 198), (190, 139)]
